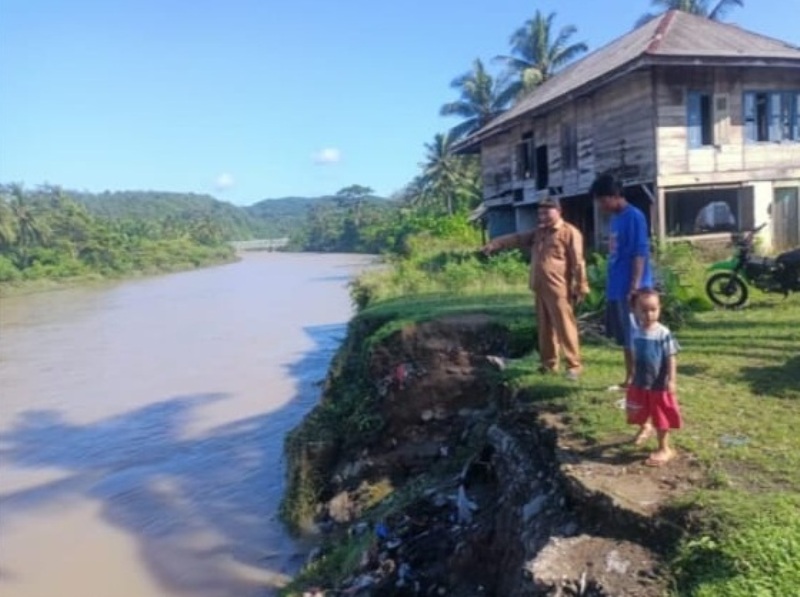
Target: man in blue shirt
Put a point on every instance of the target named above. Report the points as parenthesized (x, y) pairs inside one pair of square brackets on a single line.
[(628, 262)]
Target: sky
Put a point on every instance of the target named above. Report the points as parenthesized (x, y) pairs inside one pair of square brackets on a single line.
[(253, 99)]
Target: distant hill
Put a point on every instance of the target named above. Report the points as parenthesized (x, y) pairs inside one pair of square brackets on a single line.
[(235, 222), (268, 218), (286, 216)]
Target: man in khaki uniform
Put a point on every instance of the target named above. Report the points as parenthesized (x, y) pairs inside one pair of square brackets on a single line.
[(558, 279)]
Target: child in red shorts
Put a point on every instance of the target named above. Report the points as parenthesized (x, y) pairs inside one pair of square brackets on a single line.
[(651, 398)]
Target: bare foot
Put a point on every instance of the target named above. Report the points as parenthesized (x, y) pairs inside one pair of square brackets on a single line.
[(659, 458), (618, 387), (645, 433)]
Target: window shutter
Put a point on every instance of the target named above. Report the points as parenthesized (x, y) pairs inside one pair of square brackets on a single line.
[(774, 116), (796, 107), (750, 128), (722, 119), (694, 128)]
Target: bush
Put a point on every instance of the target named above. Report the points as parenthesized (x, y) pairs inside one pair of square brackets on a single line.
[(8, 271)]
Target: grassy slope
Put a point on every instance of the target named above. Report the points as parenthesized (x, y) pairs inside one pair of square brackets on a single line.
[(739, 388)]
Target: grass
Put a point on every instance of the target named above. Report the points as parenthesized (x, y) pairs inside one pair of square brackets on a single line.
[(739, 389)]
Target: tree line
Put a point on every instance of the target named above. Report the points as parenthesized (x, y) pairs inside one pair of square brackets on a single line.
[(47, 232), (44, 233)]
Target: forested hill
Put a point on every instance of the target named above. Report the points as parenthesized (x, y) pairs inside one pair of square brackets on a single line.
[(269, 218), (289, 216), (235, 223)]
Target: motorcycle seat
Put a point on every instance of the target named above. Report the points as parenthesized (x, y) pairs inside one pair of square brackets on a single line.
[(789, 258)]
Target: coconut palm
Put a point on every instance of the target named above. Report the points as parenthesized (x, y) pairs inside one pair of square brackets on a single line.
[(28, 230), (482, 98), (714, 10), (535, 55), (445, 176), (7, 234)]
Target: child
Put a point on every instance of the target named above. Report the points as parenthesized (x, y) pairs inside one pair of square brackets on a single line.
[(651, 401)]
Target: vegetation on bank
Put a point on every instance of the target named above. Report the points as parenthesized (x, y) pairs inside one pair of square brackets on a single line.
[(739, 385), (46, 235)]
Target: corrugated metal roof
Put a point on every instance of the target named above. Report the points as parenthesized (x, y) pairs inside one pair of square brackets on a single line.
[(675, 34)]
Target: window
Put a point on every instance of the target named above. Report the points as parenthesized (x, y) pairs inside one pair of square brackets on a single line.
[(708, 211), (525, 157), (542, 168), (700, 119), (569, 146), (771, 116)]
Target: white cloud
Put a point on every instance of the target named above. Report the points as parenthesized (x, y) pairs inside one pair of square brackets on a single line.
[(224, 181), (327, 155)]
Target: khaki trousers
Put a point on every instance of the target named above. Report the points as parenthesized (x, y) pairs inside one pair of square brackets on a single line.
[(557, 329)]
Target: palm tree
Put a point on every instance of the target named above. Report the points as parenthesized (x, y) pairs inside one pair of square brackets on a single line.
[(535, 56), (445, 176), (482, 98), (7, 233), (715, 11), (27, 228)]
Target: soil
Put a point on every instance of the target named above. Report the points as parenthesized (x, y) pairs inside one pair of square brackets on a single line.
[(530, 510)]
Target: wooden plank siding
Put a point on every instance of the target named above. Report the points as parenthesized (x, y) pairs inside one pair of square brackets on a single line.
[(615, 129), (624, 128), (497, 167), (731, 158)]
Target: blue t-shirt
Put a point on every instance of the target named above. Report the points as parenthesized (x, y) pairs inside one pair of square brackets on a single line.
[(627, 239), (651, 350)]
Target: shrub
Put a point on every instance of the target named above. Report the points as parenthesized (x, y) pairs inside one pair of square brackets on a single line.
[(8, 271)]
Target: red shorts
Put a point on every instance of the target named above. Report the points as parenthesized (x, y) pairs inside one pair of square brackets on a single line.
[(659, 406)]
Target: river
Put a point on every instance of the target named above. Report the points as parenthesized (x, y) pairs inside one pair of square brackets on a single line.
[(142, 427)]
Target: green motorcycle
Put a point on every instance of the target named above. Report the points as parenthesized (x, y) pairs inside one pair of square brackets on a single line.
[(728, 285)]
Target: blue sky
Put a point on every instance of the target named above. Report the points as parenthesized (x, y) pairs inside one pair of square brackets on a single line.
[(254, 99)]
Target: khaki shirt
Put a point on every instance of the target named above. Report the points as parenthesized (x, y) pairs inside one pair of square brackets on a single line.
[(557, 264)]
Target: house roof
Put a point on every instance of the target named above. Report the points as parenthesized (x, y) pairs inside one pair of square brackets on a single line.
[(673, 38)]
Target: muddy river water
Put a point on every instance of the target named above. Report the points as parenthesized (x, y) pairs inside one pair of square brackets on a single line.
[(142, 425)]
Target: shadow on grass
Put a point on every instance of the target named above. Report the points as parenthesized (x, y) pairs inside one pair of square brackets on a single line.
[(692, 370), (779, 381), (703, 563)]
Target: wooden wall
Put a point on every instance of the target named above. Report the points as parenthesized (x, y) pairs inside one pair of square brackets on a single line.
[(615, 130), (731, 159), (497, 162)]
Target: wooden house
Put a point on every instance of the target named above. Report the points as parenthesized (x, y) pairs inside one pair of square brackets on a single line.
[(699, 119)]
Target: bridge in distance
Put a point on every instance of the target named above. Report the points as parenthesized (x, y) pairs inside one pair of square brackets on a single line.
[(260, 244)]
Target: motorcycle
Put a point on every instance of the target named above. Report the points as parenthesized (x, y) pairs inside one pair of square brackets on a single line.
[(728, 287)]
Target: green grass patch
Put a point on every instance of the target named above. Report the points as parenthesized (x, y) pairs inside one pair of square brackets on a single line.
[(739, 389), (339, 559)]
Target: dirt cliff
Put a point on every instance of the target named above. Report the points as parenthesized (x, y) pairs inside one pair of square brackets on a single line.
[(433, 477)]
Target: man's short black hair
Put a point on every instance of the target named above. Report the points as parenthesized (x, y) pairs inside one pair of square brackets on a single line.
[(606, 185)]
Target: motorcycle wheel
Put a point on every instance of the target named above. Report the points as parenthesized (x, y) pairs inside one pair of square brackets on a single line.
[(726, 290)]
